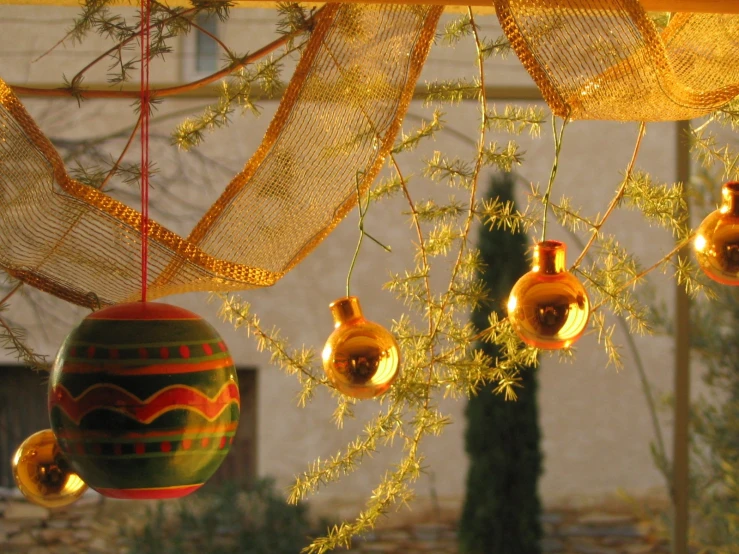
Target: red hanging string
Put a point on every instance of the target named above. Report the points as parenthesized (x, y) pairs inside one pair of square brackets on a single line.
[(145, 103)]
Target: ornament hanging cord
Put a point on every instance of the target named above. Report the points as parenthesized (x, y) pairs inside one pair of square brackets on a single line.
[(145, 102), (362, 232), (555, 165)]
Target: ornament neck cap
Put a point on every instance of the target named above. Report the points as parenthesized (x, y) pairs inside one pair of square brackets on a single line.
[(550, 257), (730, 196), (345, 309)]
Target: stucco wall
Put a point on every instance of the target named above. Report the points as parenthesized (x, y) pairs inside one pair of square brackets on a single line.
[(596, 428)]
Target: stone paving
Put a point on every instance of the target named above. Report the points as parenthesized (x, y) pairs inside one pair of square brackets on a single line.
[(566, 532), (92, 526)]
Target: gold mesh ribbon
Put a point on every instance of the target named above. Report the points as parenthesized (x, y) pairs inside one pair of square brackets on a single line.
[(337, 121), (605, 59)]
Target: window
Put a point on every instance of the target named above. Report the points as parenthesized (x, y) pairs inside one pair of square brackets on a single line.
[(240, 466), (23, 411), (201, 55)]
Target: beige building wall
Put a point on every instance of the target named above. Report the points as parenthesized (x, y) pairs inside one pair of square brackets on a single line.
[(595, 424)]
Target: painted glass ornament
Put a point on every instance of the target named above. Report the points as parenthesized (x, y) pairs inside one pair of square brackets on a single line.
[(361, 358), (144, 400), (43, 473), (717, 240), (548, 307)]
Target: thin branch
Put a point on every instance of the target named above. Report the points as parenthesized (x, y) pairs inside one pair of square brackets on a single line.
[(166, 91), (11, 293), (117, 163), (651, 268), (199, 28), (616, 199)]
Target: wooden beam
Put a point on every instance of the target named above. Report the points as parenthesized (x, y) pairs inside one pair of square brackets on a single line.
[(698, 6), (680, 446)]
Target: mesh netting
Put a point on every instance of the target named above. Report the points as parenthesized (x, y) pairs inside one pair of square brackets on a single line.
[(337, 121), (604, 59), (592, 59)]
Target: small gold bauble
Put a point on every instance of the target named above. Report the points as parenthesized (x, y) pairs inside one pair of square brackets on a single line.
[(548, 307), (361, 358), (42, 473), (717, 240)]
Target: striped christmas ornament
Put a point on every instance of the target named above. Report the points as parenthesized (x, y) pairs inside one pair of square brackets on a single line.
[(144, 400)]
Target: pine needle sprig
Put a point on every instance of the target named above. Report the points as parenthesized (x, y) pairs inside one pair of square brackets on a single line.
[(503, 158), (300, 362), (235, 92), (498, 214), (711, 152), (456, 172), (409, 142), (660, 203), (516, 120), (383, 428), (455, 30), (13, 338), (499, 47), (452, 91)]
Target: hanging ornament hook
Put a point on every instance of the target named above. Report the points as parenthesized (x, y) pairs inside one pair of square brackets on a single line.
[(362, 233), (555, 166)]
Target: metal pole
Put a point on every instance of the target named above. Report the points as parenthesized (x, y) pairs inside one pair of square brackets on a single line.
[(680, 455)]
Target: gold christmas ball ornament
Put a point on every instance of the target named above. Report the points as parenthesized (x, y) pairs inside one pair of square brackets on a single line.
[(548, 307), (361, 358), (717, 241), (43, 474)]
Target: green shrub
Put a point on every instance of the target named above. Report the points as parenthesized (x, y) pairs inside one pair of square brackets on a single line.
[(502, 510), (228, 520)]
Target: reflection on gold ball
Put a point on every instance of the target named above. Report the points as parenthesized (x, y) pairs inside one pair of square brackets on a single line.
[(548, 307), (42, 473), (361, 358), (717, 240)]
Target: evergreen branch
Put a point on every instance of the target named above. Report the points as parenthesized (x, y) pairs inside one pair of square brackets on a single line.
[(504, 158), (569, 217), (293, 362), (430, 211), (728, 114), (383, 427), (408, 143), (117, 165), (387, 187), (709, 152), (392, 490), (641, 274), (190, 23), (452, 92), (456, 29), (73, 91), (13, 338), (504, 215), (294, 20), (125, 34), (661, 204), (515, 120), (497, 47), (456, 172), (190, 133)]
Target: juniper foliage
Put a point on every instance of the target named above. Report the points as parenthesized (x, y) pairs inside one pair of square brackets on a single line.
[(501, 509)]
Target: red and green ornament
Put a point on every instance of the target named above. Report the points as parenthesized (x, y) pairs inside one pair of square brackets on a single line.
[(144, 401)]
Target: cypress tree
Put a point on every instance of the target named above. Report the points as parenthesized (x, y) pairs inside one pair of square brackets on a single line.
[(502, 510)]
